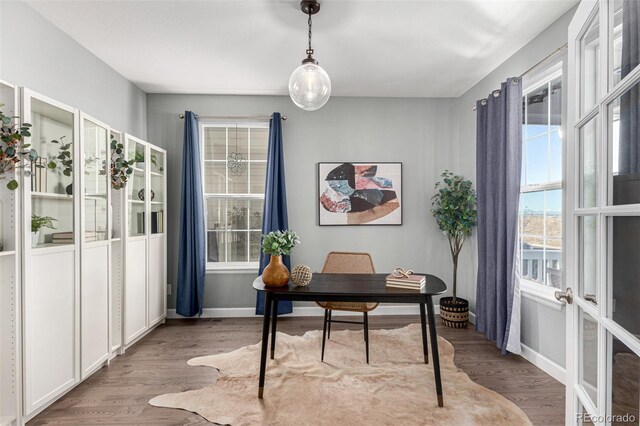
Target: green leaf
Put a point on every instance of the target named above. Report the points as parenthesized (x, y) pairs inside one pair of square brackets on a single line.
[(12, 185)]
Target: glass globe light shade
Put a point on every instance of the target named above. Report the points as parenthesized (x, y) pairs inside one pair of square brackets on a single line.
[(309, 86)]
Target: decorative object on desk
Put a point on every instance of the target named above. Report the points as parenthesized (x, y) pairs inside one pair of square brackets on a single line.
[(141, 194), (37, 223), (401, 278), (301, 275), (277, 244), (121, 168), (400, 378), (454, 207), (360, 193), (14, 153)]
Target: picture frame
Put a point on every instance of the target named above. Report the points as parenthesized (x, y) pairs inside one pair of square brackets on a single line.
[(359, 193)]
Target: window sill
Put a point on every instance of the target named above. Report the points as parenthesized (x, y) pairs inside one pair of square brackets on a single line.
[(540, 293), (244, 268)]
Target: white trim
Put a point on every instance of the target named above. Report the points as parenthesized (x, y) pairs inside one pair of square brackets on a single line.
[(543, 363), (540, 293), (309, 311), (233, 268)]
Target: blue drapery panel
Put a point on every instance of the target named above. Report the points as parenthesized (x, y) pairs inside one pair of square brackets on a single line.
[(274, 214), (498, 165), (191, 258)]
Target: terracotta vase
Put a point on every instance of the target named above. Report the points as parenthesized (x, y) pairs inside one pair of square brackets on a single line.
[(275, 274)]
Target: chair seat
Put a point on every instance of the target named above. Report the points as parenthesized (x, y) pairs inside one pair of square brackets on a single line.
[(348, 306)]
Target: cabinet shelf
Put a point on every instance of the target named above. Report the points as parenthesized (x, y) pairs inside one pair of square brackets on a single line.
[(7, 253), (156, 174), (136, 201), (51, 196)]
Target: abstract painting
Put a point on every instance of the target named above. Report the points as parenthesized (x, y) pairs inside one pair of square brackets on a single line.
[(360, 193)]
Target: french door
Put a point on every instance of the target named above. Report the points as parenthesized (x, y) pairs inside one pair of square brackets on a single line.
[(603, 214)]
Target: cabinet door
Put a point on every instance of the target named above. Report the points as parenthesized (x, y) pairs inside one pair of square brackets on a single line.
[(135, 299), (157, 280), (95, 308)]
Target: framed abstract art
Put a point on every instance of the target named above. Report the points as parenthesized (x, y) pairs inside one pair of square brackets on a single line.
[(360, 193)]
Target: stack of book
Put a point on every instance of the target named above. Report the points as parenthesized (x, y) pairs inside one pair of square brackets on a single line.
[(412, 282), (62, 238)]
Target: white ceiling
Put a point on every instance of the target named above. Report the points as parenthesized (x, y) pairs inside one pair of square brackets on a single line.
[(369, 48)]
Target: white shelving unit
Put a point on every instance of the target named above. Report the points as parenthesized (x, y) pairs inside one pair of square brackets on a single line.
[(10, 294), (117, 264)]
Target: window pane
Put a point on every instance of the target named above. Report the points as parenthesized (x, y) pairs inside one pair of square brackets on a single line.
[(215, 246), (239, 141), (625, 270), (588, 163), (259, 144), (215, 213), (239, 183), (538, 112), (555, 159), (589, 355), (215, 139), (555, 120), (237, 246), (553, 221), (537, 160), (553, 256), (237, 214), (258, 177), (588, 229), (255, 214), (625, 381), (214, 178), (624, 128), (255, 248), (590, 57)]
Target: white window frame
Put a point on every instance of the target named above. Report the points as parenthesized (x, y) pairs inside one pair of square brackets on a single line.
[(530, 289), (228, 267)]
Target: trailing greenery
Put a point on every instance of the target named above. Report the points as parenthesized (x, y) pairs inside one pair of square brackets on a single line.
[(63, 161), (454, 207), (38, 222), (278, 243), (14, 153), (121, 168)]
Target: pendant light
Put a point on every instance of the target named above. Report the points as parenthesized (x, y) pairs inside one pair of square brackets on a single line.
[(309, 84)]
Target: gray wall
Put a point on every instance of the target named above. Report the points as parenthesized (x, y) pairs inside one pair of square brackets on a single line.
[(421, 133), (537, 319), (37, 55)]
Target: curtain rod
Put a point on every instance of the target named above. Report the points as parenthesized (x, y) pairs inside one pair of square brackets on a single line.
[(235, 117), (555, 52)]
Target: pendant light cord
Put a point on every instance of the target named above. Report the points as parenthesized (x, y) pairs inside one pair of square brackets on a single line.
[(309, 50)]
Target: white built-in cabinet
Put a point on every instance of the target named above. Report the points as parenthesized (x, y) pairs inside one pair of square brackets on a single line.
[(74, 297)]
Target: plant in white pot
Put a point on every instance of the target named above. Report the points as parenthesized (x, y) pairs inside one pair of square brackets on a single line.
[(37, 223), (454, 207)]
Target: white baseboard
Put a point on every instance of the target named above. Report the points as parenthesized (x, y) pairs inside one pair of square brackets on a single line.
[(544, 363), (310, 311)]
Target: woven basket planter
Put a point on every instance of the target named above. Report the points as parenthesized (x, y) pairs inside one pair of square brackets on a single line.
[(454, 315)]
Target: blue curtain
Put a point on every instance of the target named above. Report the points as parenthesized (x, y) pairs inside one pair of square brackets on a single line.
[(274, 214), (498, 165), (191, 258)]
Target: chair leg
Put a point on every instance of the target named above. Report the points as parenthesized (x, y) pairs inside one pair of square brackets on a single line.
[(324, 332), (366, 334), (329, 326)]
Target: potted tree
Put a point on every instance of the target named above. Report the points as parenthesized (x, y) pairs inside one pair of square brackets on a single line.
[(454, 207), (277, 244)]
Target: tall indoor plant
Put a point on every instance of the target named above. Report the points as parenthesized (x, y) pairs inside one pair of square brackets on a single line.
[(454, 207), (277, 244)]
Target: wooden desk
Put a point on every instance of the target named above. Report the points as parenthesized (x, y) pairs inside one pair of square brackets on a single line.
[(352, 288)]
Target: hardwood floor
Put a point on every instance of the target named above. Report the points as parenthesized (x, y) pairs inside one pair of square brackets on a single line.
[(118, 394)]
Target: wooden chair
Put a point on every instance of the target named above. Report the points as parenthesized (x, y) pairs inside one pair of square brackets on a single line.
[(347, 263)]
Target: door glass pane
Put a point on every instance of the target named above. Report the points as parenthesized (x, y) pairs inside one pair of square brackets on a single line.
[(157, 193), (624, 39), (588, 228), (584, 418), (590, 63), (588, 355), (95, 143), (625, 383), (135, 199), (52, 183), (624, 139), (625, 271), (588, 163)]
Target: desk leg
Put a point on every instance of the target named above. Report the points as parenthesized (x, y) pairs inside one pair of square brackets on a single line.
[(273, 328), (423, 323), (434, 350), (265, 341)]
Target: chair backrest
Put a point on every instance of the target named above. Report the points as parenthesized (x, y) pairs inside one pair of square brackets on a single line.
[(341, 262)]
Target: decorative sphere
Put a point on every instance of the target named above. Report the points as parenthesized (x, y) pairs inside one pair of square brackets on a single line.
[(301, 275), (309, 86)]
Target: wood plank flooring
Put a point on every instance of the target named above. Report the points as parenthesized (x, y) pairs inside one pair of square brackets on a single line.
[(118, 394)]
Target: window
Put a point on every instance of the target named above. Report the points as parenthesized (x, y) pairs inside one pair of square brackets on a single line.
[(235, 166), (540, 215)]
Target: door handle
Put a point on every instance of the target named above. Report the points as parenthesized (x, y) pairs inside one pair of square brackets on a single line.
[(566, 295), (591, 298)]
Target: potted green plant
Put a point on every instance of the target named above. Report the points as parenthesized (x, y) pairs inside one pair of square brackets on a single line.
[(121, 168), (454, 207), (14, 153), (37, 223), (63, 162), (276, 244)]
